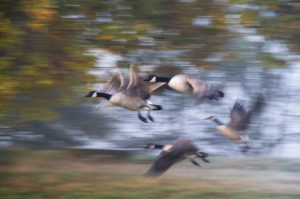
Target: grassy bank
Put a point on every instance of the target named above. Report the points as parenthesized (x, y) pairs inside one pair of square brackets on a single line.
[(63, 175)]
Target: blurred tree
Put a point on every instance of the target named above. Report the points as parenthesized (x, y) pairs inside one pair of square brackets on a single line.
[(40, 60), (279, 20), (196, 28), (285, 24), (43, 43)]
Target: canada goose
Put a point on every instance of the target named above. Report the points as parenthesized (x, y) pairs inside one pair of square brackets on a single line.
[(239, 121), (187, 84), (132, 96), (173, 153)]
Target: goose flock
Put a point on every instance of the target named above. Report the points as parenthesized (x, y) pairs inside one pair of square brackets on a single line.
[(134, 94)]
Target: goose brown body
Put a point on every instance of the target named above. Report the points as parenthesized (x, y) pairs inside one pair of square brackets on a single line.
[(180, 83), (231, 134), (239, 120), (173, 153), (133, 103), (186, 84), (132, 95)]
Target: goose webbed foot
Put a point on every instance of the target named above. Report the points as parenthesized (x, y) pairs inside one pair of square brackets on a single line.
[(143, 119), (203, 156), (195, 162), (213, 98), (205, 160), (245, 148), (150, 117)]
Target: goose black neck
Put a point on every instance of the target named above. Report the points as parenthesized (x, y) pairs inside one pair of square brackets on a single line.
[(104, 95), (158, 146), (163, 79), (218, 122)]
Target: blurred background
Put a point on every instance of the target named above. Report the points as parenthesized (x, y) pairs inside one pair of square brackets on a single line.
[(54, 51)]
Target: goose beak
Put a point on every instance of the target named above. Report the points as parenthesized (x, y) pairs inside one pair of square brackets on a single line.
[(91, 94)]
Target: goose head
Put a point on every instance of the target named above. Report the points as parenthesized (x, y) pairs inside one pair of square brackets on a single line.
[(151, 78), (91, 94), (150, 146), (212, 118)]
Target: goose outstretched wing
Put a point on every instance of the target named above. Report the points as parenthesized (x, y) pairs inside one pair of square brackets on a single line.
[(114, 84), (240, 118), (202, 90), (155, 86), (167, 158), (136, 87)]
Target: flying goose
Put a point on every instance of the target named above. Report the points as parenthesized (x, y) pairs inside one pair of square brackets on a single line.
[(187, 84), (173, 153), (239, 121), (132, 96)]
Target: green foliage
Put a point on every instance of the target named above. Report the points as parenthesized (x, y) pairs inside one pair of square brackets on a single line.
[(38, 54), (284, 25)]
